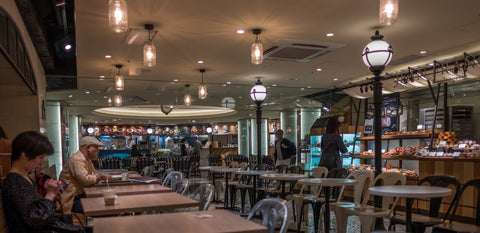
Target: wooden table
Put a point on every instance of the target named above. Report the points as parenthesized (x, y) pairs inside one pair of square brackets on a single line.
[(221, 221), (135, 203), (410, 192), (327, 183), (96, 191), (283, 178), (118, 182)]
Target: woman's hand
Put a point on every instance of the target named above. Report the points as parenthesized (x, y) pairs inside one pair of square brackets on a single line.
[(52, 187)]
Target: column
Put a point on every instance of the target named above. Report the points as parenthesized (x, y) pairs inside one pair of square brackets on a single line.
[(243, 138), (253, 126), (54, 134)]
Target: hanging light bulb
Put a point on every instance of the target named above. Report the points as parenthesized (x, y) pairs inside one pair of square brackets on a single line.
[(388, 12), (257, 48), (187, 99), (149, 50), (119, 81), (202, 88), (117, 100), (109, 101), (117, 15)]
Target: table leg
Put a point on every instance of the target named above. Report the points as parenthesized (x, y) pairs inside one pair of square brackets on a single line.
[(327, 210), (408, 215), (213, 181), (253, 200), (282, 183), (226, 191)]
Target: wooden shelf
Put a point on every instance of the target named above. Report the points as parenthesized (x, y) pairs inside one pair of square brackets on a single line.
[(395, 157), (399, 136), (361, 156)]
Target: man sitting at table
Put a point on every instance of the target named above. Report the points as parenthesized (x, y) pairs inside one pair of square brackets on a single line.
[(80, 173)]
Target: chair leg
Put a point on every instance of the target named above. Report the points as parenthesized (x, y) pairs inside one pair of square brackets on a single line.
[(243, 192), (300, 216), (367, 223), (316, 215), (342, 219)]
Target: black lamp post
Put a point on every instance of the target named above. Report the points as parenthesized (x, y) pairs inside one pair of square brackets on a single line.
[(376, 55), (258, 95)]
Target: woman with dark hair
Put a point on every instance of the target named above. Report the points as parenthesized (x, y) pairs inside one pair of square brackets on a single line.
[(331, 144), (26, 210)]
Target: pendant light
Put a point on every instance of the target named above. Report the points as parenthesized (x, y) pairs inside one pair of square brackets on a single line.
[(119, 81), (202, 88), (388, 12), (187, 99), (257, 48), (117, 15), (117, 100), (149, 50)]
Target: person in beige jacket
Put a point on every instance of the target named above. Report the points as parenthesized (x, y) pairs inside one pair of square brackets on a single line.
[(80, 173)]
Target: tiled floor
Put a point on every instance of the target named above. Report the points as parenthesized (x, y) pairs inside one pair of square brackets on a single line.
[(352, 227)]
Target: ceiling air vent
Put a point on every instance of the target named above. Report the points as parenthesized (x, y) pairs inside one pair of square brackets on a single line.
[(301, 51)]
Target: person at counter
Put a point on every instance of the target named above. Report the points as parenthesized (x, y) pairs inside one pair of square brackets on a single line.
[(135, 152), (79, 171), (26, 210), (331, 144), (284, 149), (183, 148), (197, 145)]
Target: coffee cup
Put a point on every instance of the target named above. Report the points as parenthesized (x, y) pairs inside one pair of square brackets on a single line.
[(125, 176), (109, 196)]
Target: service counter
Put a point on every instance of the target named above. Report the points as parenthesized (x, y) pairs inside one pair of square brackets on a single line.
[(119, 153)]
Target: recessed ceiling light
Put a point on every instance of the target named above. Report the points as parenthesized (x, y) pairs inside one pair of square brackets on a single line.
[(70, 96), (240, 97), (301, 89), (229, 82), (200, 62), (335, 79), (309, 87), (175, 80), (105, 97), (298, 100), (423, 52), (330, 34), (274, 85), (319, 69), (108, 56), (240, 31), (87, 92), (102, 76), (430, 64)]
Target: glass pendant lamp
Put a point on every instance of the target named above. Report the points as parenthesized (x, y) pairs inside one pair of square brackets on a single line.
[(257, 49), (117, 15)]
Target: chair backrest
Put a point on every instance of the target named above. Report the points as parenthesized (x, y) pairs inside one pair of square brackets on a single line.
[(294, 170), (364, 180), (446, 182), (389, 178), (243, 165), (281, 168), (319, 172), (475, 183), (181, 186), (234, 164), (205, 196), (172, 178), (271, 209)]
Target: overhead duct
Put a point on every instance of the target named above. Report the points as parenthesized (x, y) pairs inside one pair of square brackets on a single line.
[(300, 51)]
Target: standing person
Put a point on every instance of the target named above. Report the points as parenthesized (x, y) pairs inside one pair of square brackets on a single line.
[(183, 148), (284, 149), (79, 171), (197, 145), (135, 152), (331, 144), (26, 210)]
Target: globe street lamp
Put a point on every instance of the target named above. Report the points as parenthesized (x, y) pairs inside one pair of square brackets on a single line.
[(376, 55), (258, 95)]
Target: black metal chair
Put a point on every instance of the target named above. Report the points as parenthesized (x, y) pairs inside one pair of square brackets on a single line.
[(420, 222), (457, 226)]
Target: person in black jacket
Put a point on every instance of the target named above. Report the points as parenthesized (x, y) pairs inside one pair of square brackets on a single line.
[(284, 149), (26, 210)]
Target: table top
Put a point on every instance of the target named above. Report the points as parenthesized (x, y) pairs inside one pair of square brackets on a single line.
[(224, 170), (134, 203), (208, 168), (118, 182), (212, 221), (328, 181), (254, 172), (286, 176), (96, 191), (410, 191)]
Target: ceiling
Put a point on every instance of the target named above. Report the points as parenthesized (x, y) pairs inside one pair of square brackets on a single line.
[(190, 30)]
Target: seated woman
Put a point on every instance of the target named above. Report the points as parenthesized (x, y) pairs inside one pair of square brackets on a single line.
[(26, 210)]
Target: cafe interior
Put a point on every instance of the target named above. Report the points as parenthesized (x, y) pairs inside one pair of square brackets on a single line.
[(143, 75)]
